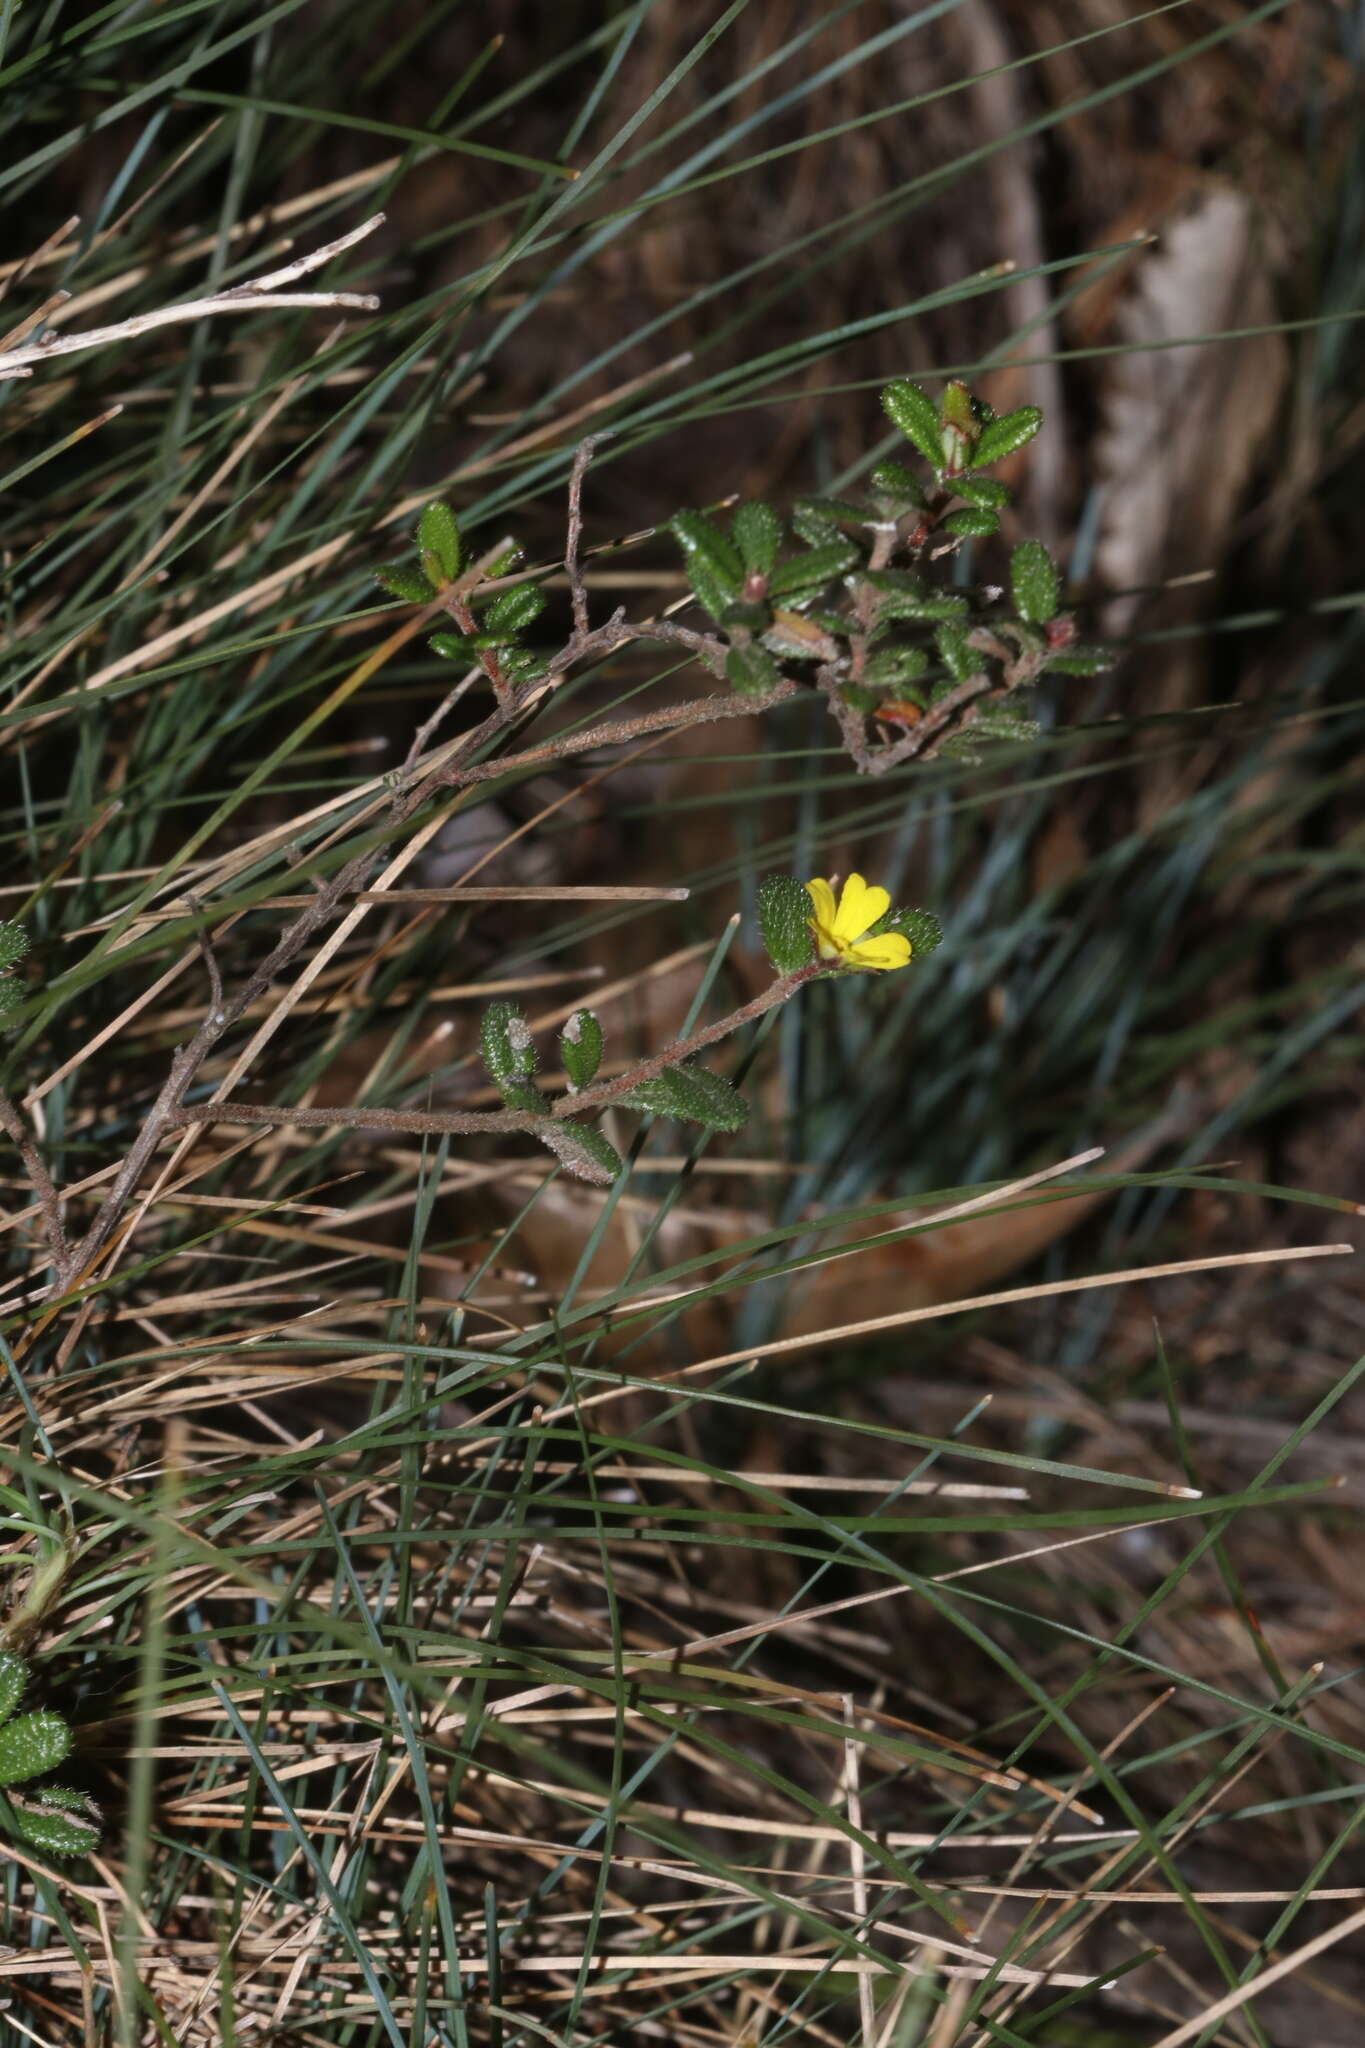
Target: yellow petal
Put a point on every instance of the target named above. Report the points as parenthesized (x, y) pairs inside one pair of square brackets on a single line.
[(860, 906), (822, 898), (892, 949)]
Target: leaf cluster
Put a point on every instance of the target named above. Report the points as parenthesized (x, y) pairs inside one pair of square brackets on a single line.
[(687, 1092), (492, 621), (846, 586), (51, 1818)]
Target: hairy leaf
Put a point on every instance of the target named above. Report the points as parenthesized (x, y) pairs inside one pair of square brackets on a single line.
[(506, 1044), (32, 1744), (13, 1679), (438, 540), (513, 609), (693, 1095), (1033, 577), (758, 536), (811, 571), (580, 1048), (915, 413), (750, 671), (400, 580), (784, 919), (581, 1150), (1001, 437)]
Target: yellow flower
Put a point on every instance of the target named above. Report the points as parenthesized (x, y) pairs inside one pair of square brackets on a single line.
[(839, 932)]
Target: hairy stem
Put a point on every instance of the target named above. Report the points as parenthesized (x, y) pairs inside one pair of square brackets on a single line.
[(466, 1122)]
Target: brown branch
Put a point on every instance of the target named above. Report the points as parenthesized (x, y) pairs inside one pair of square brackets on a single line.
[(413, 1122), (40, 1180), (682, 1048), (578, 590), (427, 731), (209, 957), (618, 732), (938, 724), (456, 602), (466, 1122), (618, 632)]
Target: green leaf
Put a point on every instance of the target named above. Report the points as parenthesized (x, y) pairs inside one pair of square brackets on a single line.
[(1001, 437), (833, 513), (525, 1096), (899, 488), (958, 656), (758, 536), (505, 1043), (896, 665), (746, 618), (1003, 725), (750, 671), (582, 1150), (514, 609), (972, 523), (957, 429), (438, 541), (504, 564), (711, 593), (60, 1823), (13, 944), (452, 646), (784, 909), (13, 1679), (709, 1099), (1082, 661), (1033, 577), (522, 664), (897, 600), (921, 927), (915, 413), (402, 581), (32, 1744), (694, 1095), (860, 697), (815, 528), (957, 405), (981, 490), (704, 545), (580, 1048), (811, 571)]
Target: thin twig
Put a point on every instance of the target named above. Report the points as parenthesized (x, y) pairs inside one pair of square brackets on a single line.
[(617, 732), (578, 590), (40, 1180), (465, 1122), (427, 731), (619, 632), (249, 297), (937, 725), (672, 1055), (408, 1122), (209, 957)]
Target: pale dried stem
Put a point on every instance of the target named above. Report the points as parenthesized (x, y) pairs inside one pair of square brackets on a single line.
[(578, 590), (252, 296)]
